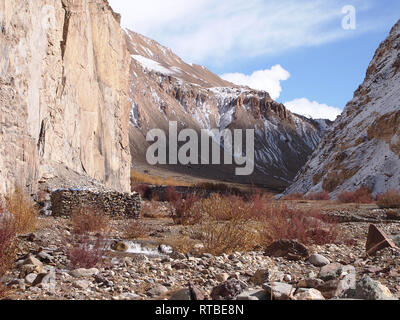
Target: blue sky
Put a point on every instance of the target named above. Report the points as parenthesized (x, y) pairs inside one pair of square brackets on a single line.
[(295, 49)]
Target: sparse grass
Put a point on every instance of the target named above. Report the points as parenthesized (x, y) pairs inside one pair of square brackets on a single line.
[(362, 195), (24, 211), (181, 243), (151, 209), (7, 245), (232, 224), (143, 189), (88, 219), (182, 207), (389, 200), (134, 229), (308, 227), (294, 196), (318, 196), (143, 178), (228, 237), (84, 252)]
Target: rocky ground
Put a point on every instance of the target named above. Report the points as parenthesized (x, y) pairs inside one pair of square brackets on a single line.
[(146, 270)]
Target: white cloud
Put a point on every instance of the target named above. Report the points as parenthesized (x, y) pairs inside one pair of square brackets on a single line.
[(312, 109), (267, 80), (215, 31)]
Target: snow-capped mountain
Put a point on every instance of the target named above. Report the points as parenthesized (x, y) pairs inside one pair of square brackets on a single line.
[(165, 88), (363, 146)]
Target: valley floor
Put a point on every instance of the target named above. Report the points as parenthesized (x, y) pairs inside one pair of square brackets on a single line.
[(145, 272)]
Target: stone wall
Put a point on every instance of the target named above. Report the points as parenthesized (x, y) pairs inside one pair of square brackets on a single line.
[(115, 204)]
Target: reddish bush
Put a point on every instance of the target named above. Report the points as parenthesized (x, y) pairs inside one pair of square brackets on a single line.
[(362, 195), (7, 244), (308, 227), (144, 190), (89, 219), (389, 200), (318, 196), (182, 212), (294, 196), (171, 195), (86, 253)]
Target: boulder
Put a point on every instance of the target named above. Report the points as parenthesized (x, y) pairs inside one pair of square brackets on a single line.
[(279, 291), (261, 276), (157, 291), (340, 281), (228, 290), (288, 249), (82, 273), (318, 260), (368, 289), (252, 294), (308, 294)]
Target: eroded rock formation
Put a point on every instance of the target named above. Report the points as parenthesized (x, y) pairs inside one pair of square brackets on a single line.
[(64, 93)]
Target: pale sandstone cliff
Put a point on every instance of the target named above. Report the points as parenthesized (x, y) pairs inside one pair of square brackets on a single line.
[(64, 93)]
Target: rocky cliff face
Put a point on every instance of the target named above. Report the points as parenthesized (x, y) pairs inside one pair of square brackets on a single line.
[(163, 88), (363, 147), (64, 93)]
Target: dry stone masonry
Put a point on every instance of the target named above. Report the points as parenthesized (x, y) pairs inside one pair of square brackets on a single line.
[(65, 201)]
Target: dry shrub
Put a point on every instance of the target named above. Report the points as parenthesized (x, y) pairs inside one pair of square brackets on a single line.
[(7, 244), (389, 200), (396, 65), (223, 208), (134, 229), (362, 195), (308, 227), (24, 211), (88, 219), (86, 253), (318, 196), (143, 189), (183, 207), (180, 243), (227, 237), (143, 178), (151, 209), (294, 196)]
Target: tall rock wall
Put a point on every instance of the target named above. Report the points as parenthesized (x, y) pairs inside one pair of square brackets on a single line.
[(64, 93)]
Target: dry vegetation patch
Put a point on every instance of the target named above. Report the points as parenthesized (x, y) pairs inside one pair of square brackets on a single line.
[(134, 230), (89, 219), (389, 200), (361, 195), (24, 211)]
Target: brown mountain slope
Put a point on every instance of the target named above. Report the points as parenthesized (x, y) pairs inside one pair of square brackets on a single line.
[(164, 88), (363, 147)]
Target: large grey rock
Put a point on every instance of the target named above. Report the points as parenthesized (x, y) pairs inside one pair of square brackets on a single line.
[(252, 294), (368, 289), (261, 276), (228, 290), (181, 295), (288, 249), (279, 290), (308, 294), (82, 273), (318, 260), (45, 278), (340, 281), (157, 291), (310, 283)]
